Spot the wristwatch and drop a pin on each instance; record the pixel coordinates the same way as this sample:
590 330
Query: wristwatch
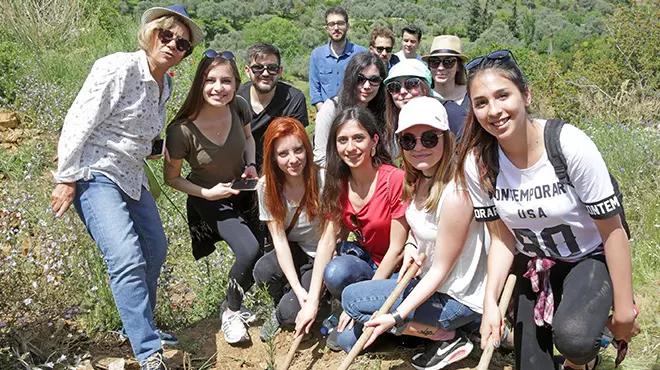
398 320
250 164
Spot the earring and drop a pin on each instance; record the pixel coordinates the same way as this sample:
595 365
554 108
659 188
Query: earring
373 152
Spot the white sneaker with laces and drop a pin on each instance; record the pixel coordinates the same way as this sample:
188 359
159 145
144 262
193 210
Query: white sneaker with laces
233 327
153 362
249 316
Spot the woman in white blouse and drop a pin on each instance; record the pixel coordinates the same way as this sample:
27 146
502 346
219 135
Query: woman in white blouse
106 135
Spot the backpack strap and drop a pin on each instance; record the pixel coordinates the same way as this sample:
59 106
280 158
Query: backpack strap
553 149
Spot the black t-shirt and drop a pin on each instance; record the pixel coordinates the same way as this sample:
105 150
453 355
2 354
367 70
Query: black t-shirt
287 102
456 115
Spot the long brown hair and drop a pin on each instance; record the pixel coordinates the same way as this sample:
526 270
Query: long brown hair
195 98
275 178
337 172
442 176
475 138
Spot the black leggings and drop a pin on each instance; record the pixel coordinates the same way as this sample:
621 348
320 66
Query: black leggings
222 216
583 298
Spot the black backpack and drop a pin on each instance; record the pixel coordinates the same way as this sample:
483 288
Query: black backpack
556 157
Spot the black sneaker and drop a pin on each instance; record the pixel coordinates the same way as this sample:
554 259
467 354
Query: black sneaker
332 340
439 354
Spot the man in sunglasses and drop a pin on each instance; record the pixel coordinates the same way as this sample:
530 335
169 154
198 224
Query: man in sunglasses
381 44
328 62
267 97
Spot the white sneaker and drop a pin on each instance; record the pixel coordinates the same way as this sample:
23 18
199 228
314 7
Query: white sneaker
248 316
233 327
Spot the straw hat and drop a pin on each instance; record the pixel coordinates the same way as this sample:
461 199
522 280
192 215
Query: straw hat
446 46
178 10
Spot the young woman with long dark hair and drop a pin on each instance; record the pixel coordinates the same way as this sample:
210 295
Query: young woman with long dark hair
565 242
289 203
212 133
362 194
361 87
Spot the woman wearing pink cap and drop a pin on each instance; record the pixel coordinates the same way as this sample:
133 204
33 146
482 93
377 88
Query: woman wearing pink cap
450 293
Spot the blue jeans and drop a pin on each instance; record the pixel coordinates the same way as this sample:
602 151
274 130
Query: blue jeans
349 268
130 235
361 300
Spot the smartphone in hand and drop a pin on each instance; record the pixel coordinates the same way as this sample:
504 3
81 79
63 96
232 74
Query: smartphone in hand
245 184
158 147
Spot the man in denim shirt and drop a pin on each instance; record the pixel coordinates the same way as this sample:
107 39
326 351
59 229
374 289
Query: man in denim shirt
328 62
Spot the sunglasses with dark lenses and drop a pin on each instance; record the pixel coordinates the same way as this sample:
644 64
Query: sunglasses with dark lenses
394 87
166 36
448 63
429 140
211 54
272 69
374 80
381 48
356 227
496 55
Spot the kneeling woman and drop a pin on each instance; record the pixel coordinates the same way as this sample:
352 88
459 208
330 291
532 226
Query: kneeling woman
450 293
572 264
289 204
212 133
362 194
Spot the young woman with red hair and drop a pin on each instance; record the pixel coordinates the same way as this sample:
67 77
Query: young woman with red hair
289 204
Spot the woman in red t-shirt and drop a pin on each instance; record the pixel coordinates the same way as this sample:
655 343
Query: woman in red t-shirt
362 194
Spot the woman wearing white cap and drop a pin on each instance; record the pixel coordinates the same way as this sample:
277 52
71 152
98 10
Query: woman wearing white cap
106 136
446 62
450 293
409 79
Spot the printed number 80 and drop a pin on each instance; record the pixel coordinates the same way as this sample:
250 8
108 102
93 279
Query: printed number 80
530 241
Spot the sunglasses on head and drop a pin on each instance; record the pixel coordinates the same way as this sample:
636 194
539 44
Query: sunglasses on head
374 80
272 69
356 227
448 63
394 87
381 48
211 54
166 36
429 140
496 55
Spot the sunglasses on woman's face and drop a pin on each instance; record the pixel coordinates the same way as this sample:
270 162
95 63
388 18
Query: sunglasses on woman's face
429 140
448 63
394 87
166 36
272 69
374 80
211 54
496 55
356 228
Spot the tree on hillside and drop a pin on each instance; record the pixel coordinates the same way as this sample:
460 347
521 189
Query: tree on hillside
475 25
528 28
513 21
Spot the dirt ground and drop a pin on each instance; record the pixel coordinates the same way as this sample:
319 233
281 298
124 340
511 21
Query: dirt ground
205 341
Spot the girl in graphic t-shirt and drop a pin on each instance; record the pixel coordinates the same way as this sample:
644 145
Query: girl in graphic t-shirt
212 133
289 204
572 267
451 292
362 194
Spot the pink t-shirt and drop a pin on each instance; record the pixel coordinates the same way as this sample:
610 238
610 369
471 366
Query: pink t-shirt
375 218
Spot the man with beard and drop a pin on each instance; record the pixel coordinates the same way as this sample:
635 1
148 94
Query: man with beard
381 44
328 62
267 97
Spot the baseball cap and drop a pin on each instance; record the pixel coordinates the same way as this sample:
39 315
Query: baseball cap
423 110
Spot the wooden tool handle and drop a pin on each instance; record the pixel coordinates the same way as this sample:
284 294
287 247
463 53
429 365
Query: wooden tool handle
385 308
484 361
292 351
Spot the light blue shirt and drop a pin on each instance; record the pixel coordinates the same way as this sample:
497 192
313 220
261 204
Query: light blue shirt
326 70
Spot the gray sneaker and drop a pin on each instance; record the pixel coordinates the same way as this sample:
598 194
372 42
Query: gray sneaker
153 362
271 326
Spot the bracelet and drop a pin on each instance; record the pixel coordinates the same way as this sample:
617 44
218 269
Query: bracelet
413 244
250 165
398 320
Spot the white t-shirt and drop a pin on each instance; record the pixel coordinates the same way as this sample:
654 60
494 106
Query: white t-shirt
402 56
305 233
467 281
550 219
